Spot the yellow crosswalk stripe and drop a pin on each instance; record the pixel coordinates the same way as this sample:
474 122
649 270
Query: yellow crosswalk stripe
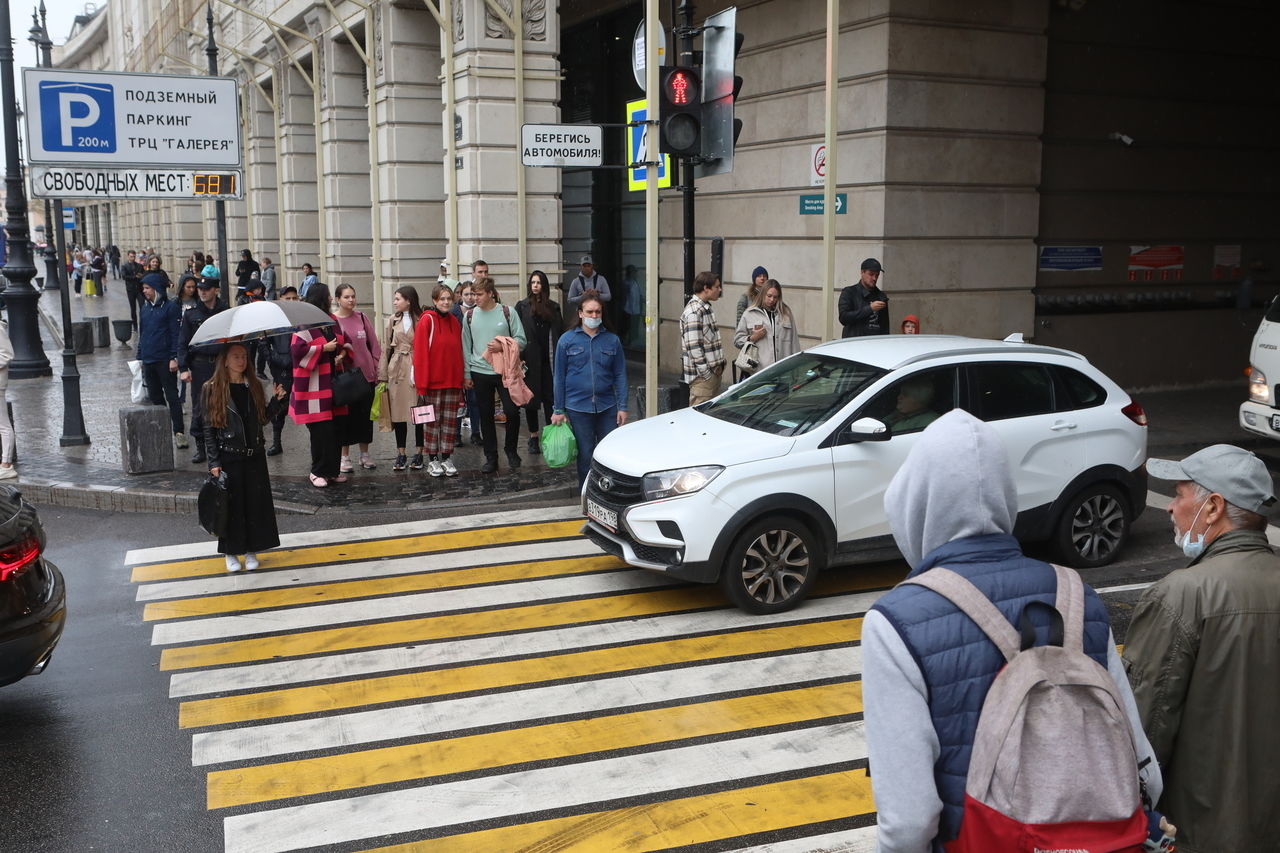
239 602
452 626
673 823
385 765
489 676
365 550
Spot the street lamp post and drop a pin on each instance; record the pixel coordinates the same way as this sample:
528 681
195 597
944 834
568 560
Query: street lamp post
52 277
20 297
219 206
73 431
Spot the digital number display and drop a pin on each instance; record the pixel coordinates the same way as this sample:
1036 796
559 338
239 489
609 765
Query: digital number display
215 184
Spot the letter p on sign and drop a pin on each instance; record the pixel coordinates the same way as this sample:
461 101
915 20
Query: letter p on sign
78 117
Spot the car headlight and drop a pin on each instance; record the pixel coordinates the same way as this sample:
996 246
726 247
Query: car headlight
679 481
1258 390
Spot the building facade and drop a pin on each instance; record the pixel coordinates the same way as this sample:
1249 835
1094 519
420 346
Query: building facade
1092 175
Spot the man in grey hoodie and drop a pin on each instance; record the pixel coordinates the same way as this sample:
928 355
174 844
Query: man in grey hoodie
926 666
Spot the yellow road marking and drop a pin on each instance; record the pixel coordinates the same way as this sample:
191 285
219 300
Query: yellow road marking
451 626
673 823
239 602
367 550
387 765
489 676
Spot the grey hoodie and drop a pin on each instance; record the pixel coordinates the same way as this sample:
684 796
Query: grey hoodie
956 483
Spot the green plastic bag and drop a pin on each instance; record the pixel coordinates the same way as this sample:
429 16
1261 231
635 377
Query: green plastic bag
559 447
375 411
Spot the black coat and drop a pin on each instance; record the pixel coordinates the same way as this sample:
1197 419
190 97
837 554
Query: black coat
192 318
856 315
251 513
542 336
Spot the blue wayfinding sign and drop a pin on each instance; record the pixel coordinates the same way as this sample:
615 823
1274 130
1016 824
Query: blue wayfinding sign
1070 258
79 117
816 204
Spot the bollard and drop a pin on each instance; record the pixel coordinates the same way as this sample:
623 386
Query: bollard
146 439
101 331
82 337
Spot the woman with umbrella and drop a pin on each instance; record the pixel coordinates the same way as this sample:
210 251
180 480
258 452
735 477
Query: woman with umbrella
235 411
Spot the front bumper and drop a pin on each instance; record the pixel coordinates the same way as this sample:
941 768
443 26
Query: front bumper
1260 419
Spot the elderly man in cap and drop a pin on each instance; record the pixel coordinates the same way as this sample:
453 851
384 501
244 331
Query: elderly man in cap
588 279
1203 654
864 309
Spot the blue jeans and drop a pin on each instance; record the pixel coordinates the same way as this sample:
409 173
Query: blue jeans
588 429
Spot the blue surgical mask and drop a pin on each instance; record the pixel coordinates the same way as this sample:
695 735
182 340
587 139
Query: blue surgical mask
1192 549
592 322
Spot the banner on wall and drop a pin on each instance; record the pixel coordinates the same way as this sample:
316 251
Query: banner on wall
1070 258
1226 262
1156 263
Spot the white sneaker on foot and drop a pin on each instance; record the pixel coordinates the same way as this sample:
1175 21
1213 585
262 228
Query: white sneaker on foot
346 467
233 563
450 470
8 473
250 562
434 468
181 439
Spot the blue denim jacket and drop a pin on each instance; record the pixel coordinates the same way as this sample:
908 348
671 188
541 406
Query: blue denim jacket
590 372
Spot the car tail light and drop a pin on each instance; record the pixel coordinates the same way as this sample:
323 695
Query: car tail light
1135 413
17 557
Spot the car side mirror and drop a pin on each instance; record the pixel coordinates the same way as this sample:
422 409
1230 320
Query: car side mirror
867 429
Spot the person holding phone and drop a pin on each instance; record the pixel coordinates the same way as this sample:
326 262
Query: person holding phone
770 325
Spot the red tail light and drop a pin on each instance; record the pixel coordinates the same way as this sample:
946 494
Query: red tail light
1135 413
15 558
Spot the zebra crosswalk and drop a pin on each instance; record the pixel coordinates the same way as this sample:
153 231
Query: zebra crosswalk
498 684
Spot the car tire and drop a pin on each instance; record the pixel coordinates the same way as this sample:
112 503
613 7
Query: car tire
772 565
1092 527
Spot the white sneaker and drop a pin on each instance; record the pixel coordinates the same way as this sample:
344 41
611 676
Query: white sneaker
233 563
450 470
250 562
434 468
181 439
9 473
346 467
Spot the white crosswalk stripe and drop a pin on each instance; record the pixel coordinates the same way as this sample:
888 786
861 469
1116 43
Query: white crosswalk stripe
439 696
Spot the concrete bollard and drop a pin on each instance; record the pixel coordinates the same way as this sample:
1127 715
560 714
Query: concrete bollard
82 337
101 331
146 439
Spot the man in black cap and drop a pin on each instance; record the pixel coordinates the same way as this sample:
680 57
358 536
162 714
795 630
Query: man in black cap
196 363
864 309
1203 656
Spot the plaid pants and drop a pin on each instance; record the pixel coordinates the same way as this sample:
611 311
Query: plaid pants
438 436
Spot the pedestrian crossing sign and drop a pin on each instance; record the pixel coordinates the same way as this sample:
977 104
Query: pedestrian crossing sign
637 179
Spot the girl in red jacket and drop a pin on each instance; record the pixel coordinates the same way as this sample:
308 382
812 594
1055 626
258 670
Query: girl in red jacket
437 375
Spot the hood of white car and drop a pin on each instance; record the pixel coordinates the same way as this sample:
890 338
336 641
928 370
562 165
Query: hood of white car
685 438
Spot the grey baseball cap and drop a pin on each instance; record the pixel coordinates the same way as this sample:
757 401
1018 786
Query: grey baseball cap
1236 474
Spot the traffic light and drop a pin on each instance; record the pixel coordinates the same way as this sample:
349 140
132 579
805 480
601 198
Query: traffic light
680 113
721 42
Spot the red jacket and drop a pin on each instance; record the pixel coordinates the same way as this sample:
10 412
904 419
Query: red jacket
437 352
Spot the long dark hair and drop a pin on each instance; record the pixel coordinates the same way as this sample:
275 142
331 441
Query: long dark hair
540 303
409 294
591 295
217 391
318 295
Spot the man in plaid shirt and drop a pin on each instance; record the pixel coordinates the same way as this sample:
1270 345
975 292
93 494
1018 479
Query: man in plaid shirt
701 353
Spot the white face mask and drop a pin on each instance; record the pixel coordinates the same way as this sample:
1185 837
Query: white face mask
1192 549
592 322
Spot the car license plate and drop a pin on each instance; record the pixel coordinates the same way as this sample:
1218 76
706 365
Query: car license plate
602 514
1275 422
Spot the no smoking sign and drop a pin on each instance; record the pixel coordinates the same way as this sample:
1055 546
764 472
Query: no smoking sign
817 165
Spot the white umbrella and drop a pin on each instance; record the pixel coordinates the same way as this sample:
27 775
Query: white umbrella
260 320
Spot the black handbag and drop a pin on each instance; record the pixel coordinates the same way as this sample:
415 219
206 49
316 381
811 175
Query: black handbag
212 505
350 388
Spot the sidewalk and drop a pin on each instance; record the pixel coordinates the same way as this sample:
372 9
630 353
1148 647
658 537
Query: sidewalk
92 476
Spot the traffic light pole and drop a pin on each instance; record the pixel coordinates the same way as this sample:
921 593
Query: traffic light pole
687 188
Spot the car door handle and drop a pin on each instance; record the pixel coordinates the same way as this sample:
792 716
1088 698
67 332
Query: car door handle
1058 426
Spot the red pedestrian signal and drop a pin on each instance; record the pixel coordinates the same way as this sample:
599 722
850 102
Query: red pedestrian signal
680 113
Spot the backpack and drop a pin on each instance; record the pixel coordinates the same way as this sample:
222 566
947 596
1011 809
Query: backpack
1054 767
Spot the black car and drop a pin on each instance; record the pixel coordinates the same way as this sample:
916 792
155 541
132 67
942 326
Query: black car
33 597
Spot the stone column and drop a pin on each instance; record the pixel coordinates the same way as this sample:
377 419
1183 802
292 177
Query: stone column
260 178
411 188
489 149
297 162
344 149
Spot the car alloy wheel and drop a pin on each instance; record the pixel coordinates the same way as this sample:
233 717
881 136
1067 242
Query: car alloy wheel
1093 527
771 566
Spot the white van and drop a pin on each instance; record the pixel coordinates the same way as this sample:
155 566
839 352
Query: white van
1260 414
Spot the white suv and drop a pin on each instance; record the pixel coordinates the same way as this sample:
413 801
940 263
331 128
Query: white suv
785 473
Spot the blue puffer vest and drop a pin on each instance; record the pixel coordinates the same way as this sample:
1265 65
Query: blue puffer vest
957 660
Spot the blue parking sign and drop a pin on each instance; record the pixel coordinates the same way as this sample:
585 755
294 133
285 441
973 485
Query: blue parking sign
78 117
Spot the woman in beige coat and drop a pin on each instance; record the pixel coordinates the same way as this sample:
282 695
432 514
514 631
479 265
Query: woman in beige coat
396 369
769 325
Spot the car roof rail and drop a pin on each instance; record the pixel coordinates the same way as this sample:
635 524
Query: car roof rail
989 350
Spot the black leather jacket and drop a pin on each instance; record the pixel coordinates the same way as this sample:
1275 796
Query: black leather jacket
229 441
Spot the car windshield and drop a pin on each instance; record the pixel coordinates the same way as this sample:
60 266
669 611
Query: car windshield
793 396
